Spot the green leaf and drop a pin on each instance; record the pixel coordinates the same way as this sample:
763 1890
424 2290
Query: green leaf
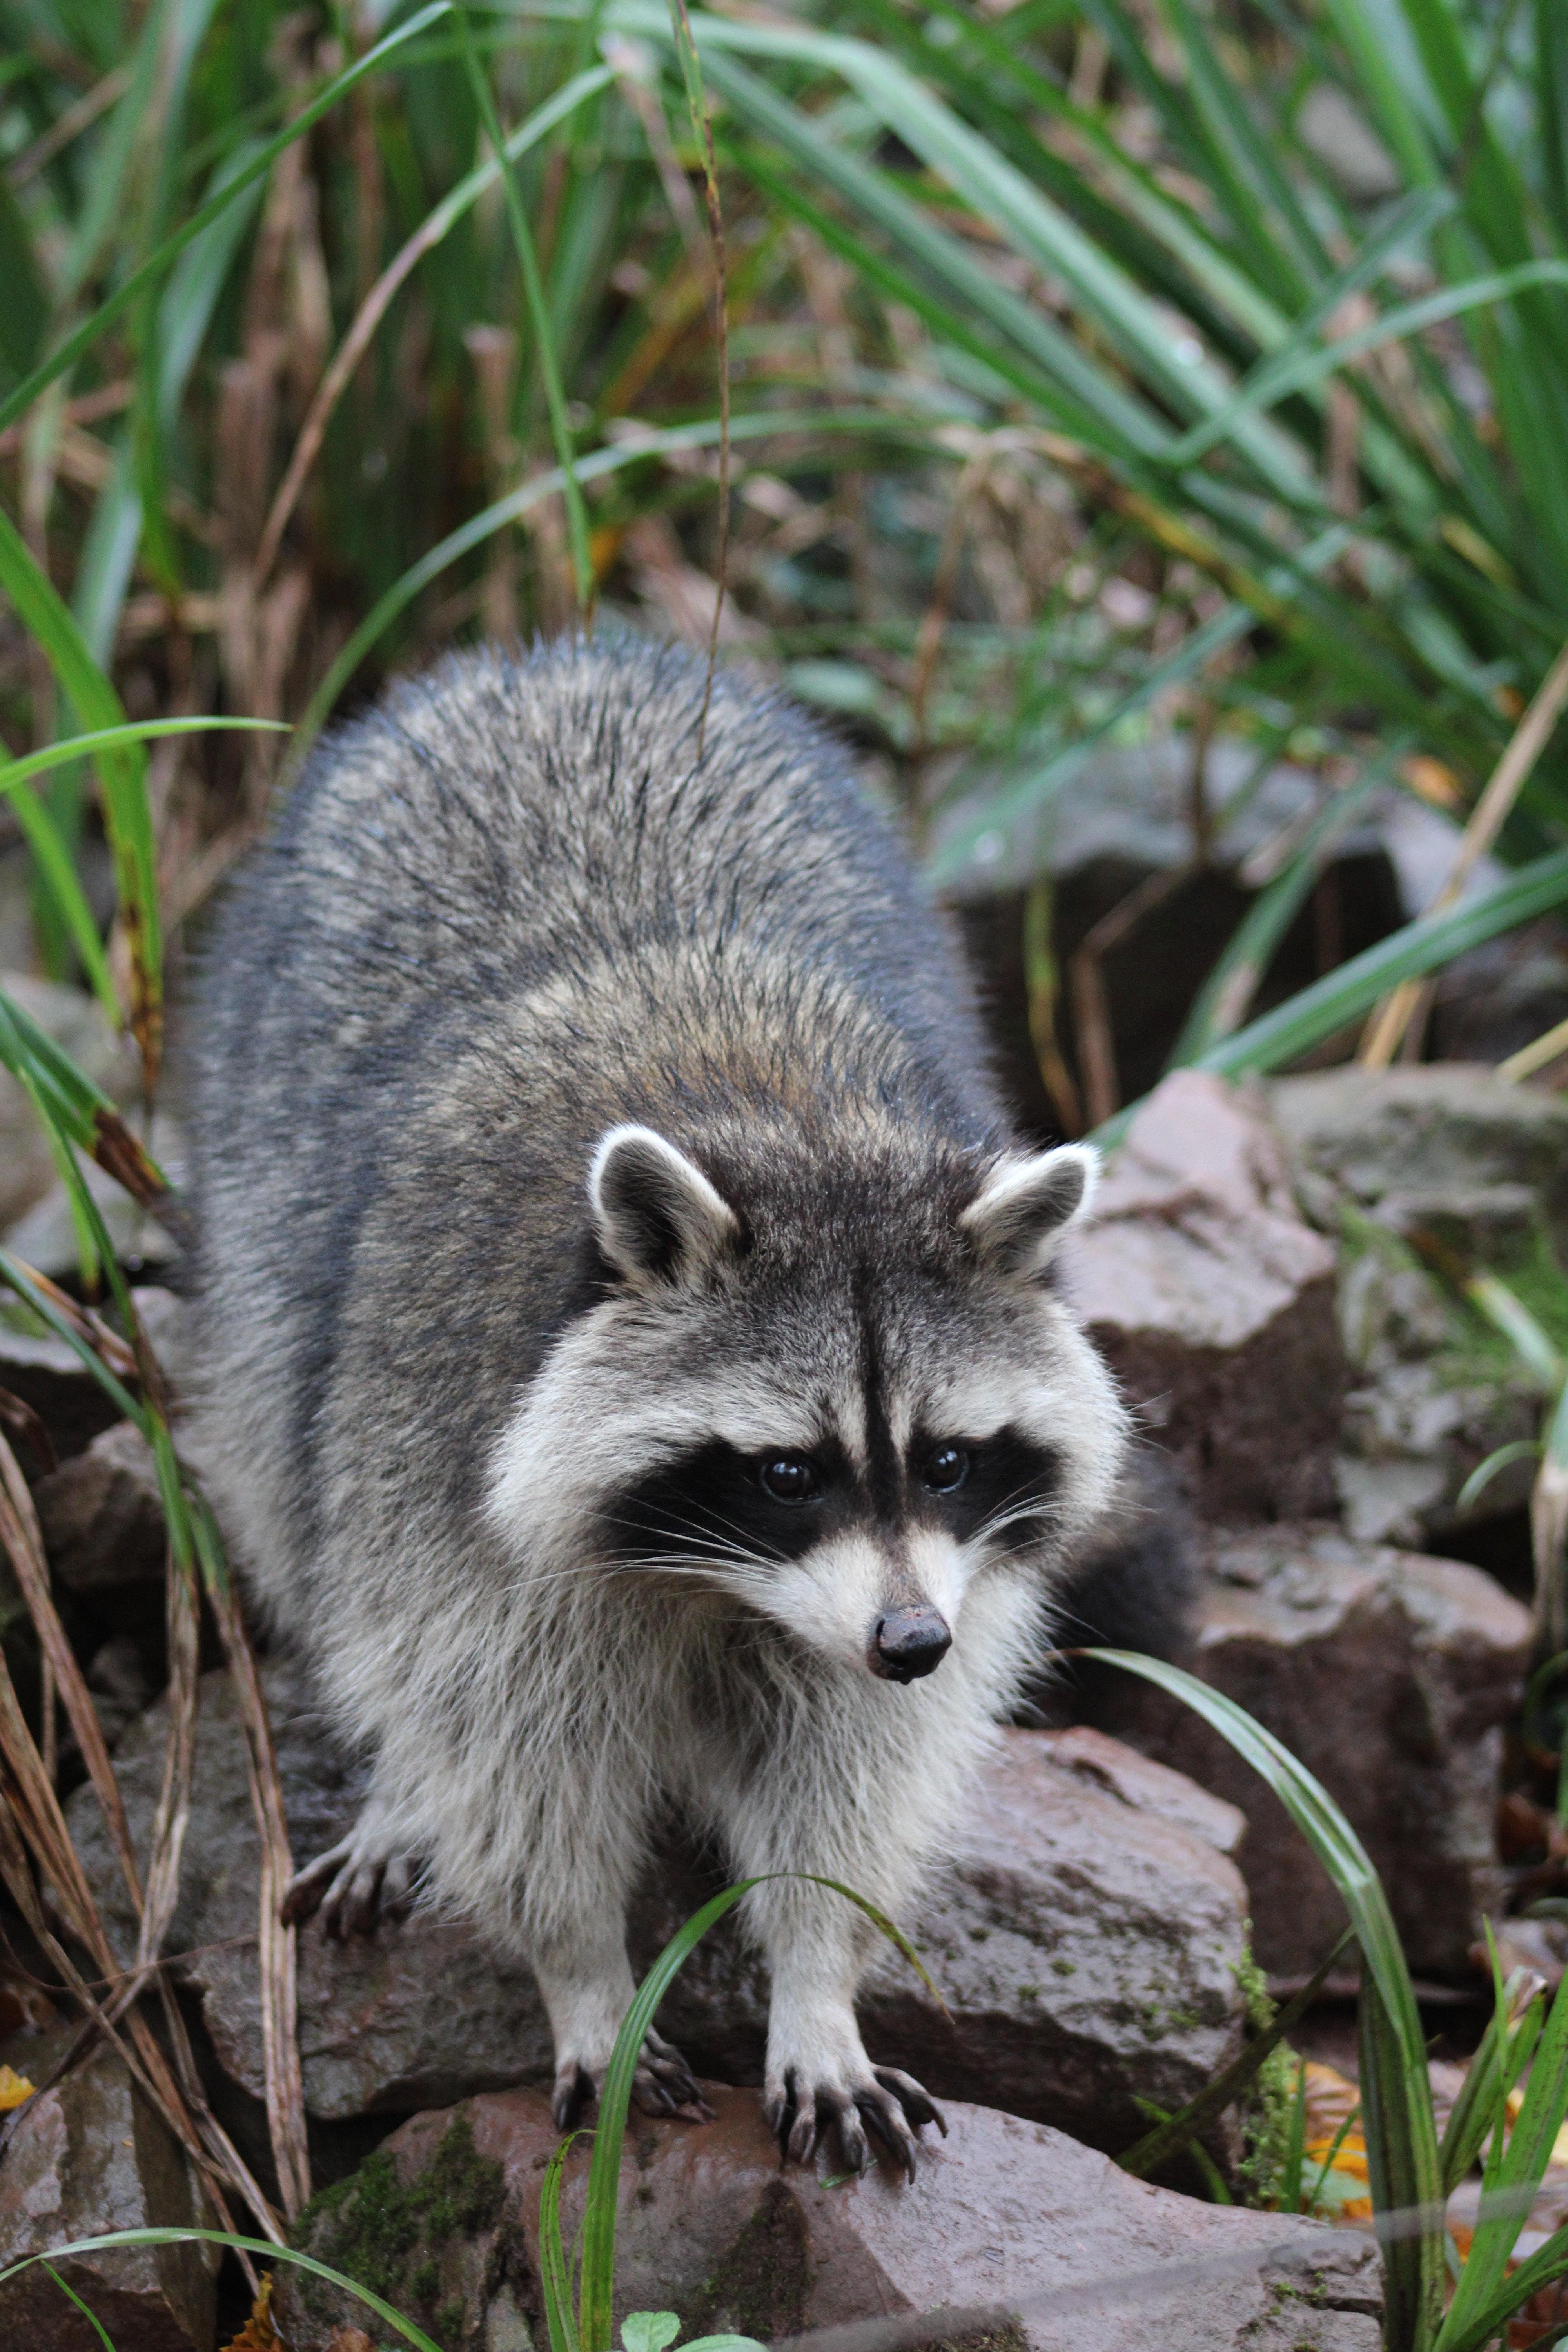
649 2331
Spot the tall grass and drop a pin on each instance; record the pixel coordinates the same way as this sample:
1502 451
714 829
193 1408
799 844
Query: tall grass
309 321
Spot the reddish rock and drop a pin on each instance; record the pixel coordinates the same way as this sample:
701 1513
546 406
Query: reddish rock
1213 1301
1390 1675
1086 1939
1010 2233
85 2158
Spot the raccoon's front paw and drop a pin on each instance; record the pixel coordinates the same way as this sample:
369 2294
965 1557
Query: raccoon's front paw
810 2102
354 1884
664 2084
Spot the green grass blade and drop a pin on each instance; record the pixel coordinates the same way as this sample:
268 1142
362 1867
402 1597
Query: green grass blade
595 2326
266 2247
122 773
92 2317
594 2322
1157 2148
140 281
538 316
1226 994
555 2276
1516 2166
109 738
1423 946
1396 2097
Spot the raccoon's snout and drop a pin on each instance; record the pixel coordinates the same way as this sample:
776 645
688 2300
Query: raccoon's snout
908 1644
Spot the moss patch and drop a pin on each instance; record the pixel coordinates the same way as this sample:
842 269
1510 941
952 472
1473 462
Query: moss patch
761 2285
387 2234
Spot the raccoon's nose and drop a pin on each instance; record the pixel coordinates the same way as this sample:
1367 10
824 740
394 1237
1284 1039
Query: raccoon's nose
909 1642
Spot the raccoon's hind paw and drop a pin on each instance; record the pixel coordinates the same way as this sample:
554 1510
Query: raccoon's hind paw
354 1885
887 2102
662 2084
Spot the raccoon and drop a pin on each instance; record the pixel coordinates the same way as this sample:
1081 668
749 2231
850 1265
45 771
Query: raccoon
631 1372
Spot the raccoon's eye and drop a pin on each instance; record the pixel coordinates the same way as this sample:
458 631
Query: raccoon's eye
948 1467
788 1478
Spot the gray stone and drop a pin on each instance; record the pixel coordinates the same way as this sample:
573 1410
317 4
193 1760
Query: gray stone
1010 2235
102 1516
1085 1938
1451 1131
85 2158
1388 1675
1214 1302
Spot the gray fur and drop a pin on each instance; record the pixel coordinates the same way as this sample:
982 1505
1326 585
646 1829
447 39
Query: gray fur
455 1332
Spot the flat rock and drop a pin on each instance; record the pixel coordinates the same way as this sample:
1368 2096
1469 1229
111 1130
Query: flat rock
1213 1301
90 2156
1086 1937
1010 2235
1390 1675
1453 1134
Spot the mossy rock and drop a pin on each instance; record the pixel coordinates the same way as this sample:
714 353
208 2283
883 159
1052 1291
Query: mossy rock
424 2242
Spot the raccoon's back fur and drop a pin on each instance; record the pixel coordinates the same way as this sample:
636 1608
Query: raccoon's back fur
629 1352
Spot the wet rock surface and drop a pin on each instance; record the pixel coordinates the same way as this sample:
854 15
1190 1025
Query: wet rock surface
1213 1301
1010 2235
1390 1675
1086 1939
89 2157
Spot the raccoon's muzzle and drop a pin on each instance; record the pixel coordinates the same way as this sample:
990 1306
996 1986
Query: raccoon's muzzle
909 1642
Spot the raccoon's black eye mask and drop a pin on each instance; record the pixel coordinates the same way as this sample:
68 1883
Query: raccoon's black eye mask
717 1502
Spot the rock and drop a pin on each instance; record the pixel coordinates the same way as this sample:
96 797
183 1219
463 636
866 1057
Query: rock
51 1377
1213 1302
1451 1131
1086 1941
1413 1168
1388 1675
1010 2235
74 1020
90 2156
102 1518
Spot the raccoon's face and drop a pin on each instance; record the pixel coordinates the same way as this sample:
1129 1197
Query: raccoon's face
841 1400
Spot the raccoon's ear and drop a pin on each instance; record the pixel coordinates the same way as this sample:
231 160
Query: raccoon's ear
656 1215
1027 1203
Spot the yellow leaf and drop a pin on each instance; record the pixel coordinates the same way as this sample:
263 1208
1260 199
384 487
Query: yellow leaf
14 2089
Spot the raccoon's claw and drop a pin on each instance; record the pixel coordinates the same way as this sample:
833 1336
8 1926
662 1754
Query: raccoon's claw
353 1885
890 2103
664 2084
574 2091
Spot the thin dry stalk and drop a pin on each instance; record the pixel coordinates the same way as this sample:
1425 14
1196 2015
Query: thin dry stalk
31 1818
1091 1010
23 1540
934 620
277 1939
1386 1028
1040 976
702 123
